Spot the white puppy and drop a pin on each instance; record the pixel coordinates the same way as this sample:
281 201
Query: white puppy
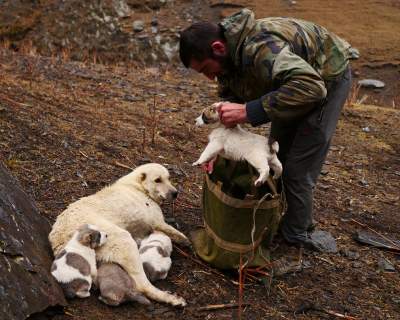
155 252
238 144
127 209
75 266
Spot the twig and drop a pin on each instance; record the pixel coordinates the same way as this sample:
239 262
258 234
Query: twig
19 104
84 154
212 307
143 139
336 314
122 165
376 232
153 120
314 307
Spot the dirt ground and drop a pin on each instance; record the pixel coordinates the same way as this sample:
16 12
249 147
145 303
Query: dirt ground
68 128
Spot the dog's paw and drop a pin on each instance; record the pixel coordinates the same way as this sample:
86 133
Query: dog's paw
195 164
179 302
258 183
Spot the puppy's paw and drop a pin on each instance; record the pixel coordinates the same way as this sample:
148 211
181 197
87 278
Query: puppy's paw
277 175
196 163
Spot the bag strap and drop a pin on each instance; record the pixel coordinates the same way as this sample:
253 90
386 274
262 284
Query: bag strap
215 188
232 246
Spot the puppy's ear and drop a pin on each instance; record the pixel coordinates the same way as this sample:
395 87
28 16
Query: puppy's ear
95 238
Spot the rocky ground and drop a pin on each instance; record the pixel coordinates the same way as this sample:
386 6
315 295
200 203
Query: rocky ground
68 128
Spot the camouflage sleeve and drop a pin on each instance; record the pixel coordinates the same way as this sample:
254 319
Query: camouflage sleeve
296 86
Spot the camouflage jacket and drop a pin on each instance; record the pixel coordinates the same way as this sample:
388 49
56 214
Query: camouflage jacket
279 66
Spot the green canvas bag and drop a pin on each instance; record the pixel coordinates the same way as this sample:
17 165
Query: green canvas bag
239 219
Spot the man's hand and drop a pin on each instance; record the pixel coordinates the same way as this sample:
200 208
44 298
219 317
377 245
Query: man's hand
232 114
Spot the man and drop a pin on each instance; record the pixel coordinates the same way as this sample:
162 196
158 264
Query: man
291 72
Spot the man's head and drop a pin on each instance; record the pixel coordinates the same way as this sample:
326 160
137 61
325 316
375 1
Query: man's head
203 48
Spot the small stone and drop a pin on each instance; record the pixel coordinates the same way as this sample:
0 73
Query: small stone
143 37
350 254
371 83
366 129
385 265
354 53
154 22
138 25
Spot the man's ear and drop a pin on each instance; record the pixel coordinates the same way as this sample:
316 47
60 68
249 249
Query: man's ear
219 48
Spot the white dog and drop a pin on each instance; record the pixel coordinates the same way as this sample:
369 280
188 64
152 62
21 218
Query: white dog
75 266
126 209
155 252
238 144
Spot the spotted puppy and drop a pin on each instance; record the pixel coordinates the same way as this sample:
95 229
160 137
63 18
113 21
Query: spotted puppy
116 286
238 144
155 252
75 266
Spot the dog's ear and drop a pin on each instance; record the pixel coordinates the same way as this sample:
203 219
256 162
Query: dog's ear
95 238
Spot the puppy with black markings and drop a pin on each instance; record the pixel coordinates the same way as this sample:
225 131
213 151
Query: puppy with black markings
75 266
116 286
238 144
155 252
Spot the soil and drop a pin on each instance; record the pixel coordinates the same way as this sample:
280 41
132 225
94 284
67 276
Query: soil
69 128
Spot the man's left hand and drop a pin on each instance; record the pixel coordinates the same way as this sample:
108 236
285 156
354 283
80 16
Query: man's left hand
232 114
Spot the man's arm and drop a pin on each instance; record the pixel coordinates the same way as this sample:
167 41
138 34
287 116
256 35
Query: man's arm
299 87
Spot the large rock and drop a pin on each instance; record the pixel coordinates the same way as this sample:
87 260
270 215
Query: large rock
26 286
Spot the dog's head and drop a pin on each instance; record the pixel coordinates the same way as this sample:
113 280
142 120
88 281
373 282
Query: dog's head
209 115
90 236
152 179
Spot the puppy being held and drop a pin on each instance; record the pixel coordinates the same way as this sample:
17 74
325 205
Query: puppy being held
75 266
128 209
238 144
116 286
155 252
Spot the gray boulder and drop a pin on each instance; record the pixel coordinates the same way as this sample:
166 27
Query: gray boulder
26 286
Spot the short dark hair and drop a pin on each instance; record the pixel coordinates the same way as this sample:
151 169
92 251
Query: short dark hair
196 40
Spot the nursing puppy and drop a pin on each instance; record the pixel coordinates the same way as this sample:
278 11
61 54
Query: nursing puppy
116 286
75 266
155 252
238 144
128 208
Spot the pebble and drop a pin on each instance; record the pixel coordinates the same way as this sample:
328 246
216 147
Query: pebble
371 83
138 25
385 265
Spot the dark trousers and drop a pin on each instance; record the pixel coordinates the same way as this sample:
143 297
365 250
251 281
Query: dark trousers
303 150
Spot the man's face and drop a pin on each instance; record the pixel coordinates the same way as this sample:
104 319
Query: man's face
210 67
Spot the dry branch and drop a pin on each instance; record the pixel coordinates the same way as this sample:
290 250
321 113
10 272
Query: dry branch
212 307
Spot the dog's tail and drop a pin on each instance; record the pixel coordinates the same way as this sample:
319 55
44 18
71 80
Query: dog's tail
153 293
